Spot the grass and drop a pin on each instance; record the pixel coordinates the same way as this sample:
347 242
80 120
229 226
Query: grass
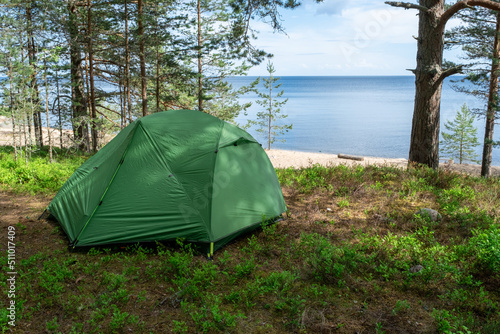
342 261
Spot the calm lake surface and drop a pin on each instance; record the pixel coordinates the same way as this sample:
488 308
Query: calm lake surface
369 116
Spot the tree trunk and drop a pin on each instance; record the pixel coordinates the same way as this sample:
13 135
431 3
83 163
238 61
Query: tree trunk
91 77
142 58
157 77
270 112
424 144
47 109
157 89
122 100
11 107
37 117
461 146
429 75
59 110
126 86
26 119
25 123
80 127
492 105
200 64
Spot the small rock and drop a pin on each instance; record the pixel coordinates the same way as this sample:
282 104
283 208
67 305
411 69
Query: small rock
328 209
416 269
432 214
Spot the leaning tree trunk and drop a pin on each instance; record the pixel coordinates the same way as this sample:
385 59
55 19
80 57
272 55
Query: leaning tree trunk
492 105
429 74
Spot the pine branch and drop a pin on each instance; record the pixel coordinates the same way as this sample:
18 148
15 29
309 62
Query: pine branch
108 109
451 71
109 119
448 14
407 5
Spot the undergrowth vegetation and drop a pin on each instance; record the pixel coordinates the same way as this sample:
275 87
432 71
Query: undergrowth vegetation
38 176
352 255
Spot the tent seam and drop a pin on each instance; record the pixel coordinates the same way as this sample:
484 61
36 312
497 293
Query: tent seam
64 190
170 169
109 185
221 128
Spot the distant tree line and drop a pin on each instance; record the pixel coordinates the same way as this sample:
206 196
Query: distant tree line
100 64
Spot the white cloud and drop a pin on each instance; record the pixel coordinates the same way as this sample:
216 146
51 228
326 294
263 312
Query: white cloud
332 7
360 39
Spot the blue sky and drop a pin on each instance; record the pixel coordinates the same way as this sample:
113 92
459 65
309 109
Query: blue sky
341 37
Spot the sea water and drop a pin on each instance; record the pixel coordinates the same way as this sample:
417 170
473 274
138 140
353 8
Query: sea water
368 116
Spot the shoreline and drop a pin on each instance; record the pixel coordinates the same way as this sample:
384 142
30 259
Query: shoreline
299 159
282 158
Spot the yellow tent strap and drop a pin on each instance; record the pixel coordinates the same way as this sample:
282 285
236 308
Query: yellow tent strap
211 254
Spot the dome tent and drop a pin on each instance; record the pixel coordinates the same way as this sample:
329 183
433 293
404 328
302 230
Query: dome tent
173 174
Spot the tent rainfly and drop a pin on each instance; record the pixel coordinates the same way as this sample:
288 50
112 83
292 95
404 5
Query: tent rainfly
173 174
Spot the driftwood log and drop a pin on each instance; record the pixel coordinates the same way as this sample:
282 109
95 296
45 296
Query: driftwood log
350 157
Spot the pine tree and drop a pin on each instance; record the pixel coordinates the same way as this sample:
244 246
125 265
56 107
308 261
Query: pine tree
270 101
219 51
462 137
430 73
225 102
478 38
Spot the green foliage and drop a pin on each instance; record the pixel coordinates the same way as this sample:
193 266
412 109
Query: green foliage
460 141
267 121
476 37
340 178
211 316
484 249
220 49
179 327
401 306
224 102
120 319
39 176
327 262
52 325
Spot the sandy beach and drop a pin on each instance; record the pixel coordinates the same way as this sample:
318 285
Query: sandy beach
296 159
283 158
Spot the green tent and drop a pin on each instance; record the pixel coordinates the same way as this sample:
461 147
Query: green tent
174 174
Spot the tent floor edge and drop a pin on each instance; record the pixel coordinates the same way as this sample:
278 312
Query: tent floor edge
203 247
